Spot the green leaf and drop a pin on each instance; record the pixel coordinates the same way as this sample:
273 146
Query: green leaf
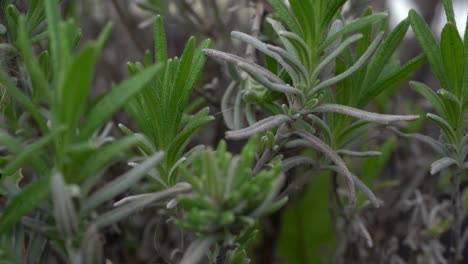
393 80
33 149
431 96
76 87
312 232
159 40
115 99
24 100
304 12
288 17
429 46
55 36
448 7
184 136
332 8
22 203
447 130
104 36
106 156
12 15
35 15
465 41
384 52
38 79
451 46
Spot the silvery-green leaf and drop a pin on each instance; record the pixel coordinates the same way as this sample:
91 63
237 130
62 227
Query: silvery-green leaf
282 88
264 48
335 158
286 43
298 143
261 126
236 59
293 62
36 248
250 114
434 144
376 202
295 161
91 248
361 154
351 69
361 114
335 27
122 183
441 164
238 113
323 127
64 211
226 108
355 25
198 249
300 46
335 53
260 210
132 204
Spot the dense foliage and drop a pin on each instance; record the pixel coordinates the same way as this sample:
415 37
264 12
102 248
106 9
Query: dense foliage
297 104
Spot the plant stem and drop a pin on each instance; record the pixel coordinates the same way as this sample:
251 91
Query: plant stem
457 217
268 154
128 26
255 31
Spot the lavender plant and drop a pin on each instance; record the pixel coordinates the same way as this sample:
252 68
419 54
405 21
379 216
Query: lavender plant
449 62
61 157
312 112
300 104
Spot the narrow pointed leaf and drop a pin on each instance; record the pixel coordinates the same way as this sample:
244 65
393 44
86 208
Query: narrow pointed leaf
451 46
335 158
384 52
64 211
393 80
115 99
236 60
121 184
261 126
286 14
160 48
430 95
448 7
21 204
363 115
351 69
24 100
353 26
429 46
448 131
441 164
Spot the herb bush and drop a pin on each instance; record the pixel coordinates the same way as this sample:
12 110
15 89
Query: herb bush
295 103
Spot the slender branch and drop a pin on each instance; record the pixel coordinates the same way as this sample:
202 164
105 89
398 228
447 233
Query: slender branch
457 217
255 31
267 155
128 27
